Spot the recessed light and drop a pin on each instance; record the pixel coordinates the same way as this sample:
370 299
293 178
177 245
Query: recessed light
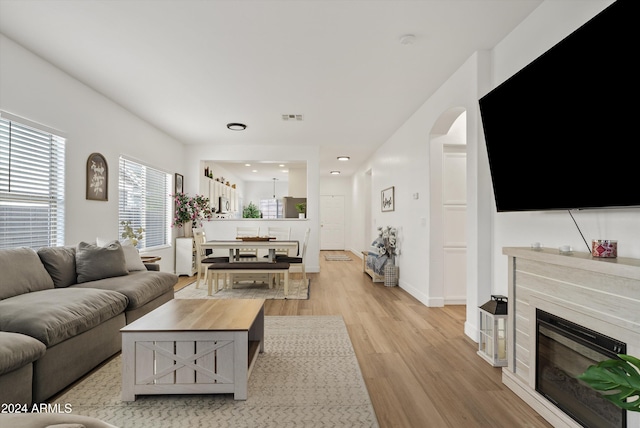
254 170
247 164
236 126
343 158
335 172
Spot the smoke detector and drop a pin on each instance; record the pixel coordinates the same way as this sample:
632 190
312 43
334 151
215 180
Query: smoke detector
407 39
294 117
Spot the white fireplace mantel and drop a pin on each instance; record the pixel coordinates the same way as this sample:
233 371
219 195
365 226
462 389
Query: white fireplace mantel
600 294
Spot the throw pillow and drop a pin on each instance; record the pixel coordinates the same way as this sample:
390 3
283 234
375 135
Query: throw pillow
132 258
60 262
93 262
21 271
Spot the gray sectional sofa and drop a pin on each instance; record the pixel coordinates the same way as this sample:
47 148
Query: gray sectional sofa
61 311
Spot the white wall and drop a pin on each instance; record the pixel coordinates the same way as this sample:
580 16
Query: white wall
403 162
36 90
546 26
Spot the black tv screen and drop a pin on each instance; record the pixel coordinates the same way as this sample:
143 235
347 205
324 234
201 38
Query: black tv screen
562 133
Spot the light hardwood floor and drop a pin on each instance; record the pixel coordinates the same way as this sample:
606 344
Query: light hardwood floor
420 368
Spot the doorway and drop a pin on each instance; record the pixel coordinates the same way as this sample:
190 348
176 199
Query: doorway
448 210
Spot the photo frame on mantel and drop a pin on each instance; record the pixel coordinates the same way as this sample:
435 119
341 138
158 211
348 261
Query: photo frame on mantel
97 178
388 200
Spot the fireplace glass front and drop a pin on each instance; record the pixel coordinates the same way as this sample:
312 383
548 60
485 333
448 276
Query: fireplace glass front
564 351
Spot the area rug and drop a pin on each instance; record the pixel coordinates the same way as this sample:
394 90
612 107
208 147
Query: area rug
308 376
298 290
337 258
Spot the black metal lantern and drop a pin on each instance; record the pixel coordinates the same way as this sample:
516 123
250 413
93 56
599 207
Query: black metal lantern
492 344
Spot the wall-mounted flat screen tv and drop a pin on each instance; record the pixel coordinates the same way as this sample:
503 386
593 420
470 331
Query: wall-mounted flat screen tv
563 132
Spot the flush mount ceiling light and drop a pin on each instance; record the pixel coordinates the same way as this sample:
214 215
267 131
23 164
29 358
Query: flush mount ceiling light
343 158
236 126
407 39
335 172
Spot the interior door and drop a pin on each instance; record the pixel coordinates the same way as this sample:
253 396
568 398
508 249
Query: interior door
454 205
332 222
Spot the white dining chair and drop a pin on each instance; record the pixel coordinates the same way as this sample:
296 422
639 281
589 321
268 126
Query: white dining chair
248 232
280 234
298 263
202 259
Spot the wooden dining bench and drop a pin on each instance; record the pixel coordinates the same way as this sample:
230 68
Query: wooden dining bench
247 267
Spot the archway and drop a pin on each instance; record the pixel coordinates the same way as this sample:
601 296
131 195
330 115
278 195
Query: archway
448 214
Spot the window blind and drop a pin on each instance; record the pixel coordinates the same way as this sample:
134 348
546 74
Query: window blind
31 187
145 202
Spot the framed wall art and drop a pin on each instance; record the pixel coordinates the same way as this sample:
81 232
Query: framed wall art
97 178
179 183
388 199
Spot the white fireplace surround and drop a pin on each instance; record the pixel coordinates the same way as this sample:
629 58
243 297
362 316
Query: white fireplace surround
600 294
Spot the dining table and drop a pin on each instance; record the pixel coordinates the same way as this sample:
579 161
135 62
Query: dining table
236 245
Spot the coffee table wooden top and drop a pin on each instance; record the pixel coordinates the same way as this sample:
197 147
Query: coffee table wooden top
200 315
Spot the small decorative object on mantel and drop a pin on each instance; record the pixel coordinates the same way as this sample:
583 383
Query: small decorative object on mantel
97 178
492 344
190 211
604 248
388 199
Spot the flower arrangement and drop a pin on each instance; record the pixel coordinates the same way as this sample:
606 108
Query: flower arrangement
132 235
389 238
194 209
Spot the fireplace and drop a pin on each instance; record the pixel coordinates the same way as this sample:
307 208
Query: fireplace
564 351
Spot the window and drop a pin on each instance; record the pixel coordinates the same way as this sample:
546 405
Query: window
271 208
145 202
31 186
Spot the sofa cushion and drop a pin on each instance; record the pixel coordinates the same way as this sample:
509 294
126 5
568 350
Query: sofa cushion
60 262
139 287
22 272
93 262
132 259
52 316
18 350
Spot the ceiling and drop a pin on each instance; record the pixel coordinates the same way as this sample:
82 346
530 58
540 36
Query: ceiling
189 67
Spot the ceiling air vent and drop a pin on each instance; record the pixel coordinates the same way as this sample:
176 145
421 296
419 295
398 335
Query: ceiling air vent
294 117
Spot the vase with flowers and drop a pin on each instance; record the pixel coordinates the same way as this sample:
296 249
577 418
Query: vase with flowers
387 244
190 211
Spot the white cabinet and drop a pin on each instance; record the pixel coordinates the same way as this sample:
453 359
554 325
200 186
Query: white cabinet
185 257
214 190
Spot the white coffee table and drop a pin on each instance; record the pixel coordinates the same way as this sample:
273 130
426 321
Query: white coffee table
193 346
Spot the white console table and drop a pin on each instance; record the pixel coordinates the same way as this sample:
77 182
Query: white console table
185 257
600 294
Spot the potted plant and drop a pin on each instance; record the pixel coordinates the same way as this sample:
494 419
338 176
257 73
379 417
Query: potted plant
134 236
190 210
617 380
302 209
251 211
